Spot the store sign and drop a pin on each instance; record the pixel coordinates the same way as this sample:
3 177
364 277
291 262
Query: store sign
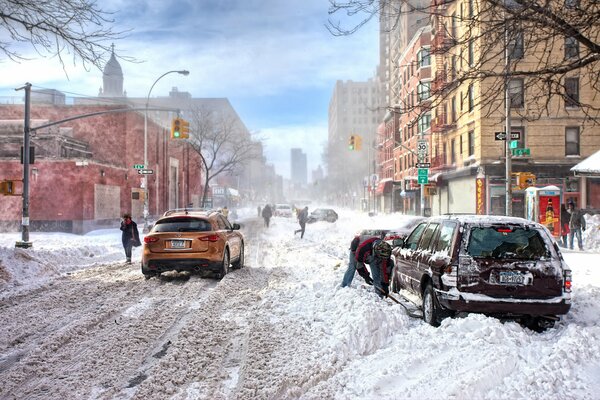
480 196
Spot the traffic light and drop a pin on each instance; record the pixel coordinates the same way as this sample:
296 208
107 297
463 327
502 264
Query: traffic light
352 143
7 188
185 129
176 128
357 142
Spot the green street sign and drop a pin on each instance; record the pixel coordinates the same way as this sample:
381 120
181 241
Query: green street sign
423 180
514 144
138 166
423 172
521 152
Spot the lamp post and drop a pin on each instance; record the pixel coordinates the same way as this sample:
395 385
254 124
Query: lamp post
146 205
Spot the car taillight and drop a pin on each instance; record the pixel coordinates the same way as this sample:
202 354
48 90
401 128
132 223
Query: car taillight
210 238
150 239
567 281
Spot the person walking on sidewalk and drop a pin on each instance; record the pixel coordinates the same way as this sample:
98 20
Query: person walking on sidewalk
302 218
130 235
576 225
267 214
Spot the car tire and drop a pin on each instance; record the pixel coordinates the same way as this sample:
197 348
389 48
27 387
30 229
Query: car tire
225 265
240 261
431 308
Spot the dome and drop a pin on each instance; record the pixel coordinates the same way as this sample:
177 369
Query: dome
112 77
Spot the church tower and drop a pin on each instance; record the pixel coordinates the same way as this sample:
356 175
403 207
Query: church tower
112 78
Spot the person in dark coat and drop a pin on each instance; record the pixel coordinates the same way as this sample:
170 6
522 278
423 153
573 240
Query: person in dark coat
130 235
302 218
353 265
377 253
576 225
267 213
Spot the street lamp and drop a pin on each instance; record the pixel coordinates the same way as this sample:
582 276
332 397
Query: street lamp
146 200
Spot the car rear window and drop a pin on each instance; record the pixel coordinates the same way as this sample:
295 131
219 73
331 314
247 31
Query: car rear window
506 242
184 224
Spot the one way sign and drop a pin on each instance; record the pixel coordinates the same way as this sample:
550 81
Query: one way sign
502 135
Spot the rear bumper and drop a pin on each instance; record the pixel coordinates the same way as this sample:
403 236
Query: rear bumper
192 265
465 302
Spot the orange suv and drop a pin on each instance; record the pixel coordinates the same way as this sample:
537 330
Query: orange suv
192 240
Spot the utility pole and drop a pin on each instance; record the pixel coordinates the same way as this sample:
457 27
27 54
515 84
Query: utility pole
507 103
25 243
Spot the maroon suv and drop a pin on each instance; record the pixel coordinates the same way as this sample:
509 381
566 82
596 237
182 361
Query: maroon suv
500 266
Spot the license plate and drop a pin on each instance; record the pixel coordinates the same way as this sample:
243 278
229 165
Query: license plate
510 277
178 244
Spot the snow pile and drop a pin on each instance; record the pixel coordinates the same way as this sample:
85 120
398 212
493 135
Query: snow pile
591 235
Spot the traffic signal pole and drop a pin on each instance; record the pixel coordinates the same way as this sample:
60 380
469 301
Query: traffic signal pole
25 243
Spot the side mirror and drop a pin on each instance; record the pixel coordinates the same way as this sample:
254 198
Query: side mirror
398 242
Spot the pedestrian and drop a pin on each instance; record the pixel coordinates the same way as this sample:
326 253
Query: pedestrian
576 225
267 214
353 264
258 211
565 216
302 218
225 211
377 253
129 236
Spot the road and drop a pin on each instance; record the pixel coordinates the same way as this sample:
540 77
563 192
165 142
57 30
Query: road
109 333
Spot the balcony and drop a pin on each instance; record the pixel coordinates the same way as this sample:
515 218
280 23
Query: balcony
441 125
441 42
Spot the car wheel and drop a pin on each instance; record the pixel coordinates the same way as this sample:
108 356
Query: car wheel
240 262
225 266
431 310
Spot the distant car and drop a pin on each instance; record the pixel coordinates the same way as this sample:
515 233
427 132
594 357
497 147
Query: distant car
499 266
322 214
283 210
402 231
188 240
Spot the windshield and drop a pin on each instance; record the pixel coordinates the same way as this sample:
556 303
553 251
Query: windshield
506 242
182 225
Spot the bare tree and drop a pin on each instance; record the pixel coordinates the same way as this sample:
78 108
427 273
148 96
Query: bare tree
224 145
540 45
77 28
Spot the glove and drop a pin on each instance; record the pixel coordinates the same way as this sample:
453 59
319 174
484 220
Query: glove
385 288
365 275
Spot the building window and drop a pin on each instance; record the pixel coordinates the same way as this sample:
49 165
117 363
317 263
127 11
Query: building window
571 92
515 90
452 151
516 47
453 110
572 141
453 66
424 122
471 142
571 47
444 153
471 52
471 98
460 144
424 57
424 91
471 8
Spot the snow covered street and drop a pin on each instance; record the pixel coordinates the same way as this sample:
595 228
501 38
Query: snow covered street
78 323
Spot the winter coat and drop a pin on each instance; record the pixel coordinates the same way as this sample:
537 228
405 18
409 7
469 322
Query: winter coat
577 220
364 253
303 216
129 233
266 212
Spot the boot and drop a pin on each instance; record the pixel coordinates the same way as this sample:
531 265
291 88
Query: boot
128 260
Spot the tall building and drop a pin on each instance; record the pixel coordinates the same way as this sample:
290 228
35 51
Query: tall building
437 96
299 171
355 109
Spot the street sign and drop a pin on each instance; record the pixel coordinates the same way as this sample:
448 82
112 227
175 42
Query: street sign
145 171
423 165
502 135
521 152
422 172
138 166
422 180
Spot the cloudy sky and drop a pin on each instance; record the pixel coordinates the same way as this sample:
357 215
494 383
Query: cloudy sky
273 59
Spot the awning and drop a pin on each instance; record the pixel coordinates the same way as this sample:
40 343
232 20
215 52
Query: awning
384 186
588 167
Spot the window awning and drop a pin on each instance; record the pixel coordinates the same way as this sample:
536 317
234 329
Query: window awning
384 186
588 167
